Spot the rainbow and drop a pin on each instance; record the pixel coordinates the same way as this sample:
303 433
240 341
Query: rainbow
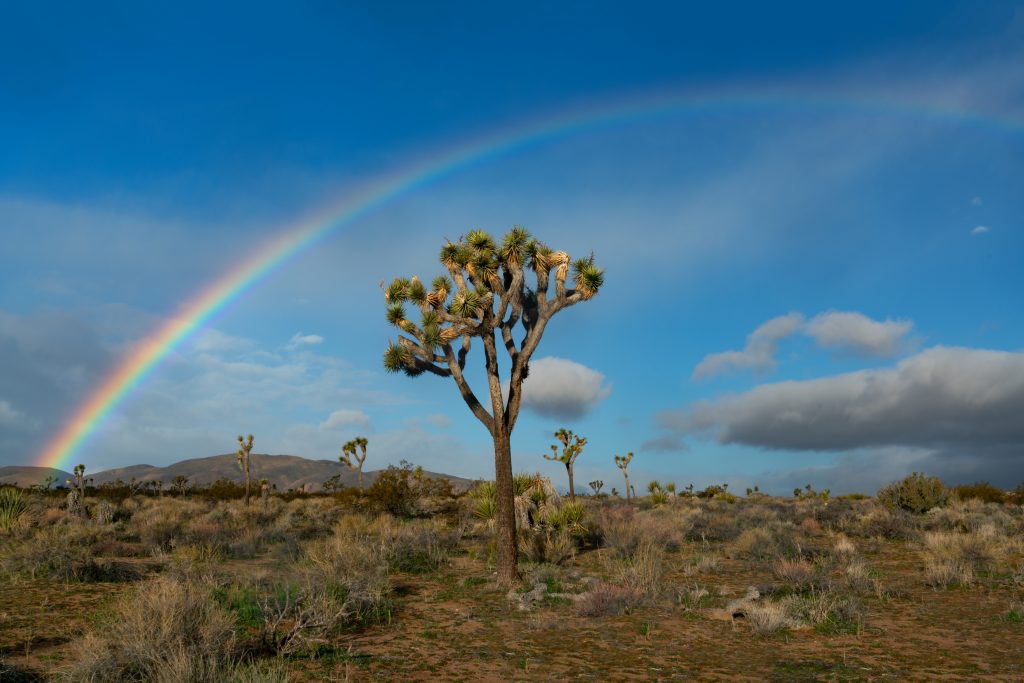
293 240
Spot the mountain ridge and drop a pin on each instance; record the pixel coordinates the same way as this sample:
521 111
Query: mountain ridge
283 470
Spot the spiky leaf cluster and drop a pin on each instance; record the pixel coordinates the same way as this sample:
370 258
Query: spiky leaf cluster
484 292
622 461
572 446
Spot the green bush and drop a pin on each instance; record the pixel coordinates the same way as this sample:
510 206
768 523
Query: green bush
407 492
916 493
981 490
12 507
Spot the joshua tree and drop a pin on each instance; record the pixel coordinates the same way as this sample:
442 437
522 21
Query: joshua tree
244 448
348 453
597 484
76 497
49 481
572 446
179 484
622 462
264 493
487 296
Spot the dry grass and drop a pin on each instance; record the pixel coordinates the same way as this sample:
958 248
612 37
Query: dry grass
286 587
954 558
757 543
166 630
767 618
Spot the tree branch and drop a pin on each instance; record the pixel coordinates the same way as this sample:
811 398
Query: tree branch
455 369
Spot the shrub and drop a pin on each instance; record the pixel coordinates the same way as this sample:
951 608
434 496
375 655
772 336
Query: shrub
643 571
766 618
754 544
981 490
1016 496
546 545
953 558
406 491
416 546
828 611
61 552
606 599
916 493
167 630
619 531
799 573
712 525
843 548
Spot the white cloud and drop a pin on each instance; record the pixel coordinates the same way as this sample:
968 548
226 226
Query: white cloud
943 398
346 418
439 420
980 230
858 333
758 354
562 389
845 330
298 339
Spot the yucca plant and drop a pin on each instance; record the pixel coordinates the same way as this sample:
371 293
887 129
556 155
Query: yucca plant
12 507
352 458
484 295
572 446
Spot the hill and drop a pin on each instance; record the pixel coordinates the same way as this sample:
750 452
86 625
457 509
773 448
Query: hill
31 476
286 471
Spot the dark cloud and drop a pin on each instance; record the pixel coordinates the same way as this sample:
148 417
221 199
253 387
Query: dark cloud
669 443
963 407
46 361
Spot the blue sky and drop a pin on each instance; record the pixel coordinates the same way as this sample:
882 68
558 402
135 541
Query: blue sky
822 286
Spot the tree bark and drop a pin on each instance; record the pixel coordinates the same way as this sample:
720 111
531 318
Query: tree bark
247 480
508 572
572 491
628 487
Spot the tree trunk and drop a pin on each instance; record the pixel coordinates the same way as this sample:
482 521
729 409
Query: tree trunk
360 472
508 571
572 491
247 481
628 487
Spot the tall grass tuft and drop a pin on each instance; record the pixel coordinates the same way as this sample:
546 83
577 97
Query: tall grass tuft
12 507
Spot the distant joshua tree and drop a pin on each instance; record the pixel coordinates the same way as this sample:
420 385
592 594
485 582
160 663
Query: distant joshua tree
348 453
244 449
572 446
597 485
622 462
488 299
76 497
180 484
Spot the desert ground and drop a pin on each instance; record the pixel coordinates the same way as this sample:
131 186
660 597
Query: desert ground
396 582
